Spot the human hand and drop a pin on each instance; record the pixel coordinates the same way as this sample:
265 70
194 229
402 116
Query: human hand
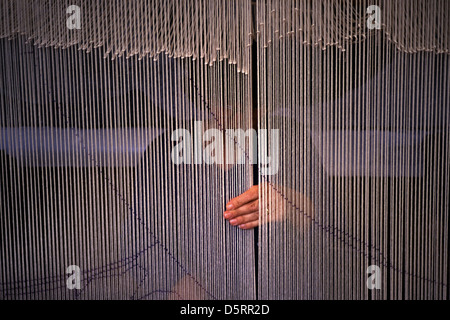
244 210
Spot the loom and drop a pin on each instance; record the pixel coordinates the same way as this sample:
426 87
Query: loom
91 92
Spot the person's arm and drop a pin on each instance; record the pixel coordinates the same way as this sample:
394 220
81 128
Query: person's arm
295 200
279 204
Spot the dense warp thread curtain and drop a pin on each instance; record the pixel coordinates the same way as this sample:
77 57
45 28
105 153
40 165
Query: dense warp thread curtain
86 149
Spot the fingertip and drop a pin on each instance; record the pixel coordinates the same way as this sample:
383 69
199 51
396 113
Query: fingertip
230 206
